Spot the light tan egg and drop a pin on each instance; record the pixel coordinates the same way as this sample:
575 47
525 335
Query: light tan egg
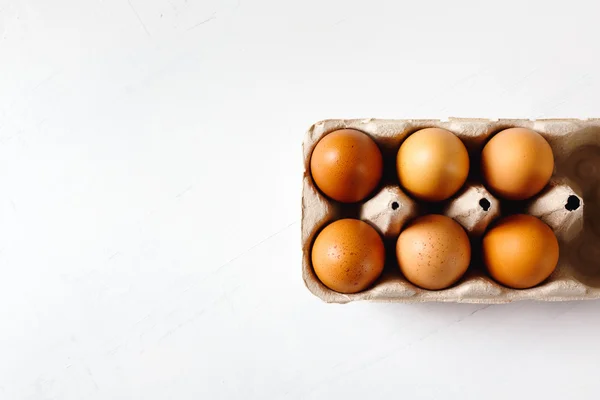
432 164
433 252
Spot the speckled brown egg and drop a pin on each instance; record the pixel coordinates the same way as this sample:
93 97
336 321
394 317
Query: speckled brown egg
520 251
433 252
432 164
346 165
348 255
517 163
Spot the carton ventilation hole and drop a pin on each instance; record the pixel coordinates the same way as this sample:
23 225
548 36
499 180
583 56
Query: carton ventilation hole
485 204
395 205
573 203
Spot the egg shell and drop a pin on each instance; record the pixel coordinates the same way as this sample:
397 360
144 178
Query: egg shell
432 164
433 252
517 163
520 251
348 255
346 165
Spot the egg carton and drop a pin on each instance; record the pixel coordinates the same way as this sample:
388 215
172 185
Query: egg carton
576 180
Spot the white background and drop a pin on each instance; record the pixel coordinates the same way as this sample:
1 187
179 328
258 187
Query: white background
150 185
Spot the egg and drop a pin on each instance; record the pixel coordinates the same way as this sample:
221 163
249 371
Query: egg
348 255
433 252
432 164
520 251
346 165
517 163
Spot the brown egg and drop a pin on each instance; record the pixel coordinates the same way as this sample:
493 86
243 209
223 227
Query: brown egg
517 163
346 165
520 251
432 164
433 252
348 255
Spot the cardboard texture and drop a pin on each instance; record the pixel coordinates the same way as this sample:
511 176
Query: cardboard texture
576 180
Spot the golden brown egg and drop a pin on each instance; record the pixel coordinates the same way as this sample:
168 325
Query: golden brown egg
517 163
348 255
520 251
433 252
346 165
432 164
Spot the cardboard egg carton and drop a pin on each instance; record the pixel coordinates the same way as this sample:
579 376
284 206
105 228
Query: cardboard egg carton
576 180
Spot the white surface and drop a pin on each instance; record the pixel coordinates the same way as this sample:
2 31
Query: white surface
150 178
